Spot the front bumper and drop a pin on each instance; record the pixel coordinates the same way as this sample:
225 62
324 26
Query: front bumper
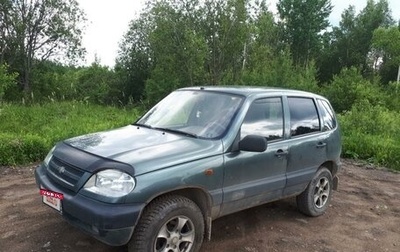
112 224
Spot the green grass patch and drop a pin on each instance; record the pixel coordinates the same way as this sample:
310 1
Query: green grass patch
28 132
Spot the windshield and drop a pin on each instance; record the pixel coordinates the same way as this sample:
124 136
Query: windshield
196 113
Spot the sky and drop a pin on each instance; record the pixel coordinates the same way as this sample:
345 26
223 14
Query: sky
109 20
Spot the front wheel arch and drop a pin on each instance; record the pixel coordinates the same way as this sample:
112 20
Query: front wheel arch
170 220
199 196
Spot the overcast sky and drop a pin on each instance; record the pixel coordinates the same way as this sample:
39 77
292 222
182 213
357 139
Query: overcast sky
108 21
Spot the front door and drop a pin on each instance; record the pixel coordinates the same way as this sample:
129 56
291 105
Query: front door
252 178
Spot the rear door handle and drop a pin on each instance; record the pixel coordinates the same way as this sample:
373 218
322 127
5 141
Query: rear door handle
280 153
321 144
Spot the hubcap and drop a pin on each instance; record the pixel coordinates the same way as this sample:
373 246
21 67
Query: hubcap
321 193
176 235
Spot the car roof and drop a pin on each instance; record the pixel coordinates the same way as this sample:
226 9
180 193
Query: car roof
251 90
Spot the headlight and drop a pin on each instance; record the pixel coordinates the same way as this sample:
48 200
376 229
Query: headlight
110 183
49 156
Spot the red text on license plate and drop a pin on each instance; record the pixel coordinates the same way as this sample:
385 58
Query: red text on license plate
48 193
52 199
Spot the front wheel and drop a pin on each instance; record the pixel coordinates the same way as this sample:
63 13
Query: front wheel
169 224
315 199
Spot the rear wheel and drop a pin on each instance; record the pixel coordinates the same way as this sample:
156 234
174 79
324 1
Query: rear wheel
169 224
315 199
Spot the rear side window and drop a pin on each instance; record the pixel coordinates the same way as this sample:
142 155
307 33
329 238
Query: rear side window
303 116
328 117
264 118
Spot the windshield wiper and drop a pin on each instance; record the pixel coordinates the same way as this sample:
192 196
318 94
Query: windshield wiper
177 132
143 125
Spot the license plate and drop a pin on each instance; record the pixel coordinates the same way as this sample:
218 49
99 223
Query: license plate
52 199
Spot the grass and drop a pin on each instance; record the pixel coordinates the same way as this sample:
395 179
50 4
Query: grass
28 132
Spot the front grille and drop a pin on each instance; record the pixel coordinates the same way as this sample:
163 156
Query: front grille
65 174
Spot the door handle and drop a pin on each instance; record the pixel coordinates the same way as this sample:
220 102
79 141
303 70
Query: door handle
280 153
321 145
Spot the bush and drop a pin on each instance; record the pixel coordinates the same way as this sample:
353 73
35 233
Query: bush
392 92
372 133
6 80
22 149
349 87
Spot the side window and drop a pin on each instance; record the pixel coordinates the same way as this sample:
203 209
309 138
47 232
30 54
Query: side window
303 116
328 117
264 118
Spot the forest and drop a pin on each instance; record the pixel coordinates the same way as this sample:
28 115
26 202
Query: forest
46 95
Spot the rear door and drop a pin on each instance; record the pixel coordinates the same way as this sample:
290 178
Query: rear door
252 178
307 143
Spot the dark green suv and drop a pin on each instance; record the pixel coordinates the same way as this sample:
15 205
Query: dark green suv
199 154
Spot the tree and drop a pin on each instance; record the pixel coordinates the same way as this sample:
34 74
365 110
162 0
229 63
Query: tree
386 42
164 49
36 30
263 56
134 62
177 43
337 47
178 48
374 15
303 21
227 33
349 45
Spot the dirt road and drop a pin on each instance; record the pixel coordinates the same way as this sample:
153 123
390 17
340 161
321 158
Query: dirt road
364 216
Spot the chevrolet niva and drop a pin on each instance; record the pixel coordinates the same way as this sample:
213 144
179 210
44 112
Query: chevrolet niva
199 154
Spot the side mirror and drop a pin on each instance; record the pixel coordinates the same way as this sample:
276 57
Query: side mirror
253 143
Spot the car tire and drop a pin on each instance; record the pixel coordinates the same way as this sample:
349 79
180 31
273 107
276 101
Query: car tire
169 223
316 198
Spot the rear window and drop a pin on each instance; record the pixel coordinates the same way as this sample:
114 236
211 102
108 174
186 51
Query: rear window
303 116
328 117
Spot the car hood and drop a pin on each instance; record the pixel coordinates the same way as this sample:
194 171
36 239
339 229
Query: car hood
146 149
